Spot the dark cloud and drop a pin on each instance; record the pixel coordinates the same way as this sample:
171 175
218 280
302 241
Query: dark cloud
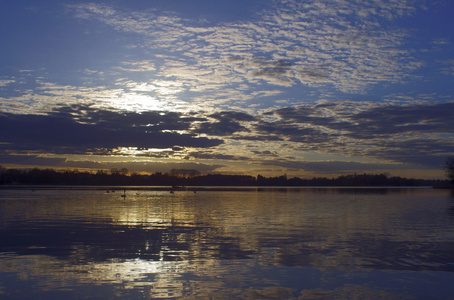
311 115
235 58
31 160
222 128
265 153
233 115
274 68
292 132
228 123
319 74
419 134
210 155
152 167
257 137
84 129
151 120
329 166
64 163
377 120
423 153
393 119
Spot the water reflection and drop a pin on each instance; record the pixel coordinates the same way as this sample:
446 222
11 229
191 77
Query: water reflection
251 244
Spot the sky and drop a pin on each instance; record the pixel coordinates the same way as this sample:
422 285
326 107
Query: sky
306 88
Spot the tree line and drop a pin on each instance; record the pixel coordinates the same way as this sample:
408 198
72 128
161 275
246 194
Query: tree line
183 177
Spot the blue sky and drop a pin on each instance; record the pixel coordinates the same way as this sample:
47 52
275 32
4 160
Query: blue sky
305 88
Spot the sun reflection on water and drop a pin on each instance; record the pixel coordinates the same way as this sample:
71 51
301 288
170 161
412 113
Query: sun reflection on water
242 244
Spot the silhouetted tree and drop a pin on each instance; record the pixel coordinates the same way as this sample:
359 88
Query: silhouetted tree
449 168
122 171
185 173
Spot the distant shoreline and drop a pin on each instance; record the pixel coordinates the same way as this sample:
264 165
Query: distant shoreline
14 178
110 188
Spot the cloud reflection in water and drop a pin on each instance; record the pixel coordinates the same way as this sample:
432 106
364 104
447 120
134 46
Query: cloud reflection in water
282 243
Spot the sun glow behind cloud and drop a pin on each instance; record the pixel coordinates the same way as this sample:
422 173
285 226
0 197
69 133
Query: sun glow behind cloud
137 103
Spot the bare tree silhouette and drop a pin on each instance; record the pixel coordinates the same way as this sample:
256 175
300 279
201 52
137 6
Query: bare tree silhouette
449 168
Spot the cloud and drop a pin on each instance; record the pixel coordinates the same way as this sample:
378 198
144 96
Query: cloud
391 135
286 44
330 166
418 134
138 66
393 119
338 44
366 121
367 135
292 132
65 163
275 72
45 97
222 128
265 153
5 82
228 123
30 160
448 67
232 115
85 129
215 156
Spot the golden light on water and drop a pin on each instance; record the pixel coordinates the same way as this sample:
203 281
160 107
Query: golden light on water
214 244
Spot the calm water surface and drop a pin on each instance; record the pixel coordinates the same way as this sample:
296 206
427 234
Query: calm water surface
240 244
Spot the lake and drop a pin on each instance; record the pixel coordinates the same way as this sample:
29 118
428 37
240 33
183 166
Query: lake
242 243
